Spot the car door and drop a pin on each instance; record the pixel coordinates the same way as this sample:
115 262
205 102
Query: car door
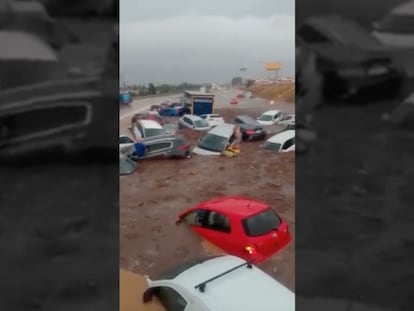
157 148
214 227
277 117
289 143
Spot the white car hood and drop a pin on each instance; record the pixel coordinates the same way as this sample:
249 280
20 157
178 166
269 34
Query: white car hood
200 151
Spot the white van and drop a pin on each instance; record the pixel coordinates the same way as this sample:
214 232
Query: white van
219 283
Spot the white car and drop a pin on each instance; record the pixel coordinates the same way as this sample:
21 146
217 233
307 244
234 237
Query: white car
215 141
193 122
148 128
269 117
219 283
287 119
281 142
213 119
397 27
125 143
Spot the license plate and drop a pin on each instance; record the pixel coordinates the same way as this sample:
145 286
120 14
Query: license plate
258 131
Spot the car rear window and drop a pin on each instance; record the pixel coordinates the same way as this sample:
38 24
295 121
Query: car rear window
261 223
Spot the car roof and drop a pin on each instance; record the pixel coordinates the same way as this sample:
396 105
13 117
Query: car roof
406 8
281 137
150 124
192 117
25 46
234 290
238 205
271 112
225 130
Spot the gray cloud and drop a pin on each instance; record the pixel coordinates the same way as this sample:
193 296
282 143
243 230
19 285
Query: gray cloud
139 10
188 46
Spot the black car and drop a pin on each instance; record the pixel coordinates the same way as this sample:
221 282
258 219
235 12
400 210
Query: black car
352 62
250 128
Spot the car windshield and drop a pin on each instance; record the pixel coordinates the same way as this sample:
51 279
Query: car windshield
271 146
265 117
213 142
261 223
397 23
154 132
200 123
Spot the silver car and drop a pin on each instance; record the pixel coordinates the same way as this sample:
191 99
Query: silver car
193 122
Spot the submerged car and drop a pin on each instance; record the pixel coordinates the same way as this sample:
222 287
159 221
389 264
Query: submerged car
396 29
250 128
240 226
125 143
269 117
170 146
193 122
214 283
281 142
147 128
213 119
234 101
215 141
126 165
287 119
353 63
168 112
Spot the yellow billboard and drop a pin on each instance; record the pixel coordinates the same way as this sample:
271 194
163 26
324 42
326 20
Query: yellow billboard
273 66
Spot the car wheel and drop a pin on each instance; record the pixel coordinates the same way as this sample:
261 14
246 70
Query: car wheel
180 126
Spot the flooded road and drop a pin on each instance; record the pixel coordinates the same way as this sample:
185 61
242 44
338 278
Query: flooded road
152 197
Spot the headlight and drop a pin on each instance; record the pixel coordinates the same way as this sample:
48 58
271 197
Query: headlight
377 70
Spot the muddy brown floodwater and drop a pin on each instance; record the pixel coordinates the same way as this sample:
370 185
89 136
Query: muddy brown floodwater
152 197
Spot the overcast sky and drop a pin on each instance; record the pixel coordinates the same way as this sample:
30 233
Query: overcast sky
204 41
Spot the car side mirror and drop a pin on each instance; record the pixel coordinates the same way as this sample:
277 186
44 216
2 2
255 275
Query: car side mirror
178 220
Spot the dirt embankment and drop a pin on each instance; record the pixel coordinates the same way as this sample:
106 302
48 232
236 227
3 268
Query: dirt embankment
277 92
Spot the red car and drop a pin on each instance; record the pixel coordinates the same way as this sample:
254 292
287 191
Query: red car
234 101
240 226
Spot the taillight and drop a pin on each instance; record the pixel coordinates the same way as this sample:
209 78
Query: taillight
250 250
184 147
250 132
